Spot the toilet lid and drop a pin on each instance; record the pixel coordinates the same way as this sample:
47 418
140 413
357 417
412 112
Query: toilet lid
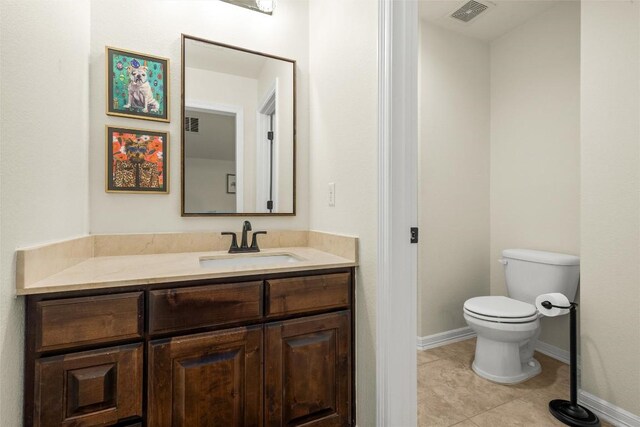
500 307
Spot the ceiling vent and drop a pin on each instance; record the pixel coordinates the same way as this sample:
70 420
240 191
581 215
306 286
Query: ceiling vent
469 11
192 124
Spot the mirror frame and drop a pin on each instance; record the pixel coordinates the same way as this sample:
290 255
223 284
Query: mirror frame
184 38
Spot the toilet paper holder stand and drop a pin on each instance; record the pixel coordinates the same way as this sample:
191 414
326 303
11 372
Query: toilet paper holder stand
570 412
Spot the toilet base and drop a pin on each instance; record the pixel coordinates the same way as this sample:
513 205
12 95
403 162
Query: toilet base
576 416
528 370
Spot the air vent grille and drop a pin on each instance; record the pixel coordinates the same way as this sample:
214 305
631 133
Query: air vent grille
192 124
469 11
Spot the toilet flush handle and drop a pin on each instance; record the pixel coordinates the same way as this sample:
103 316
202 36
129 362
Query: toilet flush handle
503 261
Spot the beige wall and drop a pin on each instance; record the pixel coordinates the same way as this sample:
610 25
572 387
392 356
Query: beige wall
343 149
206 185
610 234
44 105
499 161
453 177
284 34
535 144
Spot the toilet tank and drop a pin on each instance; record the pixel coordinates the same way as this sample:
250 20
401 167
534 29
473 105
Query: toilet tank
529 273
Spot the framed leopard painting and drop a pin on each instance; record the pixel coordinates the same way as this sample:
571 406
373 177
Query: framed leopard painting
137 160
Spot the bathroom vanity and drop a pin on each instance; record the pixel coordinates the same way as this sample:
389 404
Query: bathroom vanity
256 347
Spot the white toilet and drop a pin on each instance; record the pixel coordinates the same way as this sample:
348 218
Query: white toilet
508 327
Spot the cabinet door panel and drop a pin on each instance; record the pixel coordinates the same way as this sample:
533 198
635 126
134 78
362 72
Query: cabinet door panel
308 372
90 388
206 380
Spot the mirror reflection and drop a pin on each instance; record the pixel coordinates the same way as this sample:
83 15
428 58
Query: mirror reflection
238 131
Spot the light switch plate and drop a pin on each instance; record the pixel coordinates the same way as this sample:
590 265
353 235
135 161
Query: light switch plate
332 194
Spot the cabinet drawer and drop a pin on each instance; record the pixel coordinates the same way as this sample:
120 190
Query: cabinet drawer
72 322
306 294
89 388
179 309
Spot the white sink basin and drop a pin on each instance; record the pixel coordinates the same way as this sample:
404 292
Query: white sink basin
247 260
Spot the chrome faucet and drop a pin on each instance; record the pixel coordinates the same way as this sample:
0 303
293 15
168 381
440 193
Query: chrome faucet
244 247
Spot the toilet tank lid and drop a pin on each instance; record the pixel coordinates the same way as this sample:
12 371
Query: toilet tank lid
542 257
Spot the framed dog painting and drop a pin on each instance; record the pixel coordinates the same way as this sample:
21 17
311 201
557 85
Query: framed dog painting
137 161
137 85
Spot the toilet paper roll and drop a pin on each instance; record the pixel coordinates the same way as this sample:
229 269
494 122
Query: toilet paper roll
555 299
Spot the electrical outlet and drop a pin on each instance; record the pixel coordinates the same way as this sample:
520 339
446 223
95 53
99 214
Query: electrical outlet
332 194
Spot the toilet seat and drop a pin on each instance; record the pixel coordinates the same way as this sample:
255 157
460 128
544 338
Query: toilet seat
500 309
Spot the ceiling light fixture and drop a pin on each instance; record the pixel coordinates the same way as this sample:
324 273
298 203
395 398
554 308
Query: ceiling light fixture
262 6
266 6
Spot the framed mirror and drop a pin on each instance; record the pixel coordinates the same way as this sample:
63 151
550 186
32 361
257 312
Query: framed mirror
238 131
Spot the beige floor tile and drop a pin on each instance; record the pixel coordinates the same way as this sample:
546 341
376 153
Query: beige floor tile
449 391
462 351
426 356
541 399
518 413
466 423
456 384
554 378
465 347
433 411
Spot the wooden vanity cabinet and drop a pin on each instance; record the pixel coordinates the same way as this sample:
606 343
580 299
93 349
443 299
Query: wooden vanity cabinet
273 350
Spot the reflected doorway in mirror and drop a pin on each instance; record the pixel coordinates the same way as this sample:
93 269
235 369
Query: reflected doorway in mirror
213 150
242 104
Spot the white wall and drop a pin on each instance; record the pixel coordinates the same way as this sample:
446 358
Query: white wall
219 88
343 38
535 143
610 246
283 34
206 185
454 177
43 153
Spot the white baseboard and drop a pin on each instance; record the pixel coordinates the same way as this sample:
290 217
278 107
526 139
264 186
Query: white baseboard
444 338
608 411
553 351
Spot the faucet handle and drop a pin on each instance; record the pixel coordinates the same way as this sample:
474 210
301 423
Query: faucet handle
254 240
234 240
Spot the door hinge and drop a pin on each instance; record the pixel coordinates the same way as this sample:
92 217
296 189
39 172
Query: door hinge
270 135
270 204
414 234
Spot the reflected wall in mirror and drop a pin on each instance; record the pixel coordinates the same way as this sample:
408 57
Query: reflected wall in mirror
238 131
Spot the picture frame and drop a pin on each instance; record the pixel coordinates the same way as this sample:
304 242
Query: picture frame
231 183
137 85
137 160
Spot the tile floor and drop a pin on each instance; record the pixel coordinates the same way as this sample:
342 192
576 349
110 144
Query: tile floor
451 394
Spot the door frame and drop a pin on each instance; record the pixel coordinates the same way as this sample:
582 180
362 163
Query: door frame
270 101
396 364
231 110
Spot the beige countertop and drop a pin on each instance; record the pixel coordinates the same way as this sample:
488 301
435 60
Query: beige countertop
74 265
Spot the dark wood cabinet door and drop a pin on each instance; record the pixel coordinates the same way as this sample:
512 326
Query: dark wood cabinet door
90 388
308 371
213 379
